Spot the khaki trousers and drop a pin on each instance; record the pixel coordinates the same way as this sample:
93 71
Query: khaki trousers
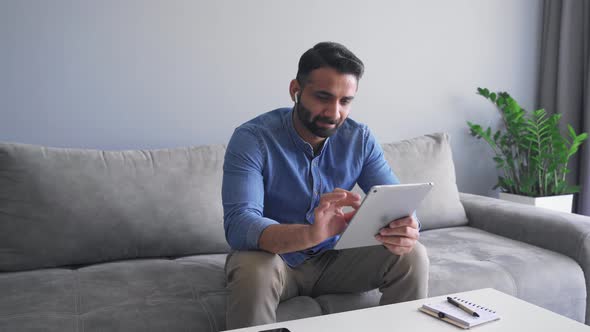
258 280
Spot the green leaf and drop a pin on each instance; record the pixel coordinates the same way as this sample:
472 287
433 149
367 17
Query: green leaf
571 130
493 97
484 92
505 184
560 188
497 135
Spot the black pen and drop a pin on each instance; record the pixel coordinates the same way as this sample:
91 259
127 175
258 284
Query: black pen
462 307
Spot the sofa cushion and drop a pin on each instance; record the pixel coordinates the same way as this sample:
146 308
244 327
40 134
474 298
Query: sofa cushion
50 292
136 295
40 322
161 316
467 258
141 281
185 294
429 159
63 206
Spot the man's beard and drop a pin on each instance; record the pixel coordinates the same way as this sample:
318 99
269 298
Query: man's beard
312 123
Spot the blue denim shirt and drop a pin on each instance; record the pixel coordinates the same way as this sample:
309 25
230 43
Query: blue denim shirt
271 176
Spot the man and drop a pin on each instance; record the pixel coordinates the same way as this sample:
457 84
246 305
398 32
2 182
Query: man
287 175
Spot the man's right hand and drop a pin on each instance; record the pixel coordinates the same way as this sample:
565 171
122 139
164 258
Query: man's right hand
330 220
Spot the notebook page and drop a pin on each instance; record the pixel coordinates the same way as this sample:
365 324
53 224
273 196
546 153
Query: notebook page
455 313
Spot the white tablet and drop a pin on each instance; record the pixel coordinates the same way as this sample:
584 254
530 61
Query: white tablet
382 205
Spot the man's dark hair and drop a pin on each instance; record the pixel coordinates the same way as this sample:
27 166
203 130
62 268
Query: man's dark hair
329 54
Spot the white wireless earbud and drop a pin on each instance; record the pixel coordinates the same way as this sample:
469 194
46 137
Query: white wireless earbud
296 98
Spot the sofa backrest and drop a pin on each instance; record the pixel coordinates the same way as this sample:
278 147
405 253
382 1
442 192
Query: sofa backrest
71 206
429 159
63 206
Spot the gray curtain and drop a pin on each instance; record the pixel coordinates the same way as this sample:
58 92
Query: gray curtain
564 85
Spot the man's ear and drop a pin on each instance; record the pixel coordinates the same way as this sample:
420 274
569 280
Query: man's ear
295 90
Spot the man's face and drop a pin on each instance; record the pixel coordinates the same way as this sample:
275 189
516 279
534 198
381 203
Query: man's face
325 101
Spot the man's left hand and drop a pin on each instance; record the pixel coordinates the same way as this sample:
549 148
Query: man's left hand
400 235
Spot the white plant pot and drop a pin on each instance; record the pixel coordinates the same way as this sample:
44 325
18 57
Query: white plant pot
558 203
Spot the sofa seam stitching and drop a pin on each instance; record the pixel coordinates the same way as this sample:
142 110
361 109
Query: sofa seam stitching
197 298
582 239
514 284
212 323
77 300
187 279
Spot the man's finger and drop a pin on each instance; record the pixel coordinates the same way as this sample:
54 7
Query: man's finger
322 207
399 241
348 216
404 222
348 193
332 197
347 202
405 231
352 199
356 204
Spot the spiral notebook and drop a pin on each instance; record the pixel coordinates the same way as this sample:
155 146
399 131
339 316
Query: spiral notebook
456 316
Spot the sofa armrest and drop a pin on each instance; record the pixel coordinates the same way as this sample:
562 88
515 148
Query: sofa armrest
565 233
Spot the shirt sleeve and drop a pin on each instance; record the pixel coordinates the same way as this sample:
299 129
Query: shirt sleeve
376 170
243 191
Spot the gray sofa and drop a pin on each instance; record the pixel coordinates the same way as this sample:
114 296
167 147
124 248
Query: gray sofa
133 240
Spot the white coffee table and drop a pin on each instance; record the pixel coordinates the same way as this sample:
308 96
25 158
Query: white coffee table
516 315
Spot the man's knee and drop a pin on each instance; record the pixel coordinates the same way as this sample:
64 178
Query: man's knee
415 263
254 266
418 259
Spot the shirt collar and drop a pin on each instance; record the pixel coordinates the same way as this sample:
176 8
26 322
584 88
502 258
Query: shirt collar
297 140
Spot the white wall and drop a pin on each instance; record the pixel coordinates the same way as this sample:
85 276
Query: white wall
122 74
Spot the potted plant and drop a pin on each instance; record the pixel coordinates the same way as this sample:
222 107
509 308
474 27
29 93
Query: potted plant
531 153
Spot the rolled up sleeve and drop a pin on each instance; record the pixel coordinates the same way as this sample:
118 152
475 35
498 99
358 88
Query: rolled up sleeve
243 191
